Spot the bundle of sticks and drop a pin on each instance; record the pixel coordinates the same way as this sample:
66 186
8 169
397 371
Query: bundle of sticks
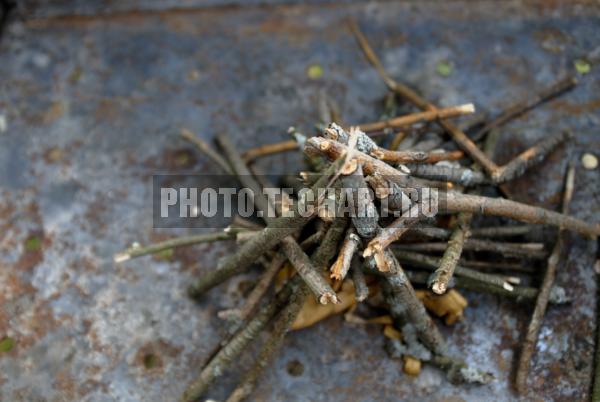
381 244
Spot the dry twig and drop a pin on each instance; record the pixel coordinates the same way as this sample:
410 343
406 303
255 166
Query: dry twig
541 303
407 120
206 149
270 149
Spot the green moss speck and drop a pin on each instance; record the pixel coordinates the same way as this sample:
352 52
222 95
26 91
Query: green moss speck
165 254
444 68
314 71
182 159
582 66
33 243
7 344
150 361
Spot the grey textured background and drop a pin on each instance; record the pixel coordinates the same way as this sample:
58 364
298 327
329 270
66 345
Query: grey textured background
94 95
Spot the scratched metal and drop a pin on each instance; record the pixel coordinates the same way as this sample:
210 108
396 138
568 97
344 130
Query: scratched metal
91 107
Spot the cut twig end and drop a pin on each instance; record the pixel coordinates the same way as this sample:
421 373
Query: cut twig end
187 134
324 145
372 248
349 167
466 108
328 297
377 153
382 262
121 257
439 288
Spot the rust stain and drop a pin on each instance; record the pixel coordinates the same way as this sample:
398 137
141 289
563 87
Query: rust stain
56 110
173 160
95 216
576 109
7 211
107 110
53 155
552 39
30 324
65 383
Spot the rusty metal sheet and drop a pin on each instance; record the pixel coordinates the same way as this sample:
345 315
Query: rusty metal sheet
91 107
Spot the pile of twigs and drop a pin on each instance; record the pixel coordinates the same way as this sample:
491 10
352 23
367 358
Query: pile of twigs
328 250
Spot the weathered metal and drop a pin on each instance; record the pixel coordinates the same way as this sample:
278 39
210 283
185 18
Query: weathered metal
93 102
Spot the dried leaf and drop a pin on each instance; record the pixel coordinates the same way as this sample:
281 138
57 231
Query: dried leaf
284 275
390 332
444 68
313 312
412 366
450 305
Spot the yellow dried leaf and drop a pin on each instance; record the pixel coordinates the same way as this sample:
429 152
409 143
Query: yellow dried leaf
390 332
283 275
450 305
313 312
412 366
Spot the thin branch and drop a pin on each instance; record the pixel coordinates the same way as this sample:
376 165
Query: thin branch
398 138
442 275
491 232
364 143
405 92
270 149
138 251
541 303
394 231
498 174
333 150
263 241
329 245
392 196
309 273
502 231
229 352
244 175
358 277
433 263
407 120
253 300
498 266
408 309
281 327
364 214
290 247
415 156
523 106
522 294
530 157
457 175
439 279
206 149
522 250
456 202
341 266
238 221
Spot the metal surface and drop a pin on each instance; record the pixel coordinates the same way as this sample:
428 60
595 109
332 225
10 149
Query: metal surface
93 105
